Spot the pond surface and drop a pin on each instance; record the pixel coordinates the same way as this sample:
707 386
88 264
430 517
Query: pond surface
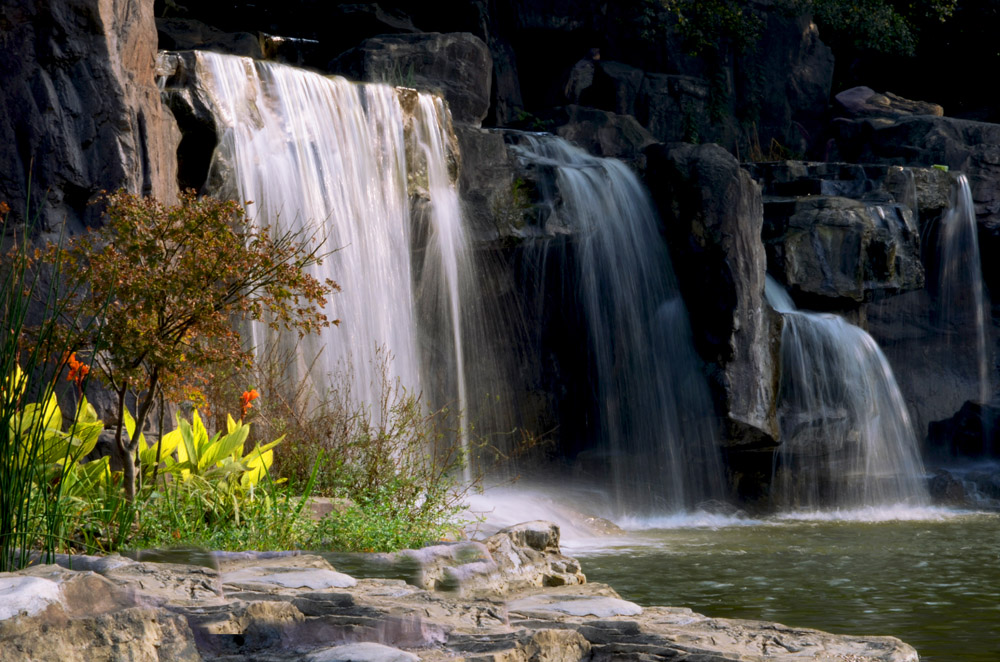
934 581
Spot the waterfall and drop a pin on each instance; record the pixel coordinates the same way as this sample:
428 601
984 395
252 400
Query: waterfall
643 399
960 301
347 163
846 437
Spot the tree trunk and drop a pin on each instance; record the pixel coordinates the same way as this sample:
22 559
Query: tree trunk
125 448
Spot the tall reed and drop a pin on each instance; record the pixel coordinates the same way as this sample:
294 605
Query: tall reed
31 504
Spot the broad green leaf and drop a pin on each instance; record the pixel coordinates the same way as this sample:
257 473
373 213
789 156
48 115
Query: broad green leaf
85 436
55 447
14 384
187 452
225 447
52 418
85 412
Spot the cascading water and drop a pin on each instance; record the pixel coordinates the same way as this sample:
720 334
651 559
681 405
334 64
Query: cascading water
327 157
847 441
960 301
654 426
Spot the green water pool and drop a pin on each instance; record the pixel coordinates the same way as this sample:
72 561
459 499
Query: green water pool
933 581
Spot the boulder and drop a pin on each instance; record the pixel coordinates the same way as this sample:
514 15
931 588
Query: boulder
81 112
675 108
492 204
182 34
512 560
528 555
973 432
600 132
457 65
863 101
785 84
936 371
52 614
618 86
842 248
712 215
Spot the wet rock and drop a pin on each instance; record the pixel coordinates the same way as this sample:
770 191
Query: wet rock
458 65
713 216
81 109
552 645
946 489
863 101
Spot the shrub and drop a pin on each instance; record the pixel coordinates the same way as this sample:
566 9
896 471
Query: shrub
168 282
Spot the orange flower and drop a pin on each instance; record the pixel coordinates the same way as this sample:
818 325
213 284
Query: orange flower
77 371
4 208
245 400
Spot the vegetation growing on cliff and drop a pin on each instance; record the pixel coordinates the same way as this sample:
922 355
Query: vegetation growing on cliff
885 26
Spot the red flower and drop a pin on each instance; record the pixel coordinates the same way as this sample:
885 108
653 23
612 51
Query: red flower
245 400
77 371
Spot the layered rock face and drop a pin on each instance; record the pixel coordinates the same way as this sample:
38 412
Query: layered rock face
712 215
82 113
290 606
834 231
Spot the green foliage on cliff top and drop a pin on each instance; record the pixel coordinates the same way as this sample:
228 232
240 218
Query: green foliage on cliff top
886 26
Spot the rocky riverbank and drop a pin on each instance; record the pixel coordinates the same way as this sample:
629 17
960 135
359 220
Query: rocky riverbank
513 597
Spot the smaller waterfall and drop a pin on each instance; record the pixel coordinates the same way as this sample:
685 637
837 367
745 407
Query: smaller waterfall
847 440
960 300
644 404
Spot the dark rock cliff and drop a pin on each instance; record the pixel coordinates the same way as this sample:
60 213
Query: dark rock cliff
81 110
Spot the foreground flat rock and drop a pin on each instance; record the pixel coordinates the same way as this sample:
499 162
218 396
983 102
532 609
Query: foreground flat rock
520 600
